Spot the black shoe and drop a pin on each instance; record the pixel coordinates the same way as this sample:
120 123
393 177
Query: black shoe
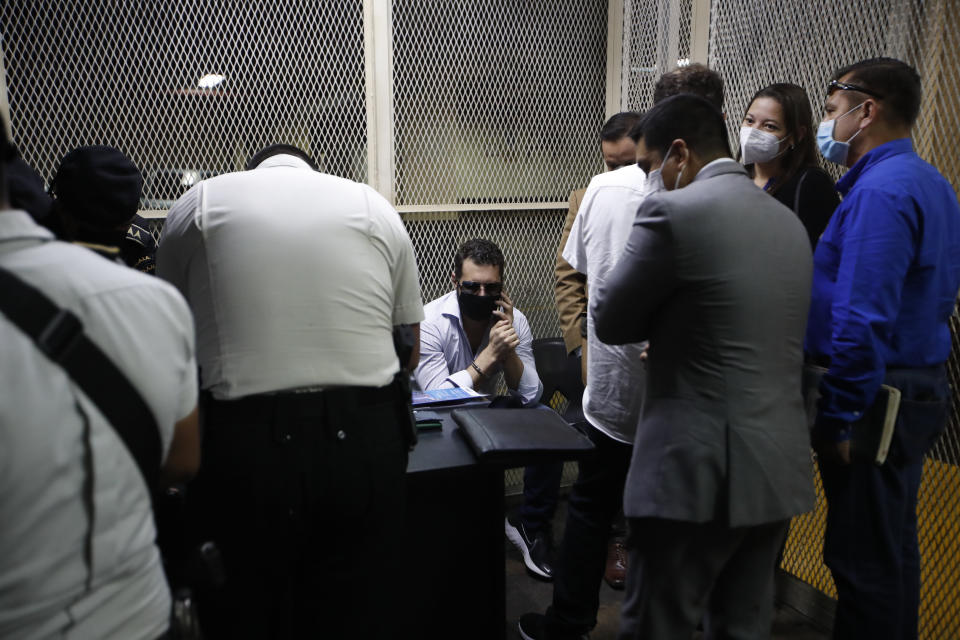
537 551
531 627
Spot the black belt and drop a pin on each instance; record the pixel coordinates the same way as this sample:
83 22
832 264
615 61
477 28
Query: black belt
266 403
824 361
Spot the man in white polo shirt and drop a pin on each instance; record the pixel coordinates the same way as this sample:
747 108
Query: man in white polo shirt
296 279
612 401
77 552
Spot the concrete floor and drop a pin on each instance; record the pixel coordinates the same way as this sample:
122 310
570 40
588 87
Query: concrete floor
525 593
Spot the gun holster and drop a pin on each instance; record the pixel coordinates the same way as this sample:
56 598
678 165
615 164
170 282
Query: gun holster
408 424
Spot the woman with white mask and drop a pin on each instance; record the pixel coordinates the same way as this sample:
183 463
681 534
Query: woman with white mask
778 148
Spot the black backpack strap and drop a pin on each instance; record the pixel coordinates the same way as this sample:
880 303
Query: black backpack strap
58 333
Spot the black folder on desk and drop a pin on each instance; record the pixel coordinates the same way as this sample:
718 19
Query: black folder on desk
519 437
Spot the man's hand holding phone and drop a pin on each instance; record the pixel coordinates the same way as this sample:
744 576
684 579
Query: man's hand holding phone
503 337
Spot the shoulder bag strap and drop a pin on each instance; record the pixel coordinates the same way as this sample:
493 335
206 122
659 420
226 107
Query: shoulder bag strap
58 333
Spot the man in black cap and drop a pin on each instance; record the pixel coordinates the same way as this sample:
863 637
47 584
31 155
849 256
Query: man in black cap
97 191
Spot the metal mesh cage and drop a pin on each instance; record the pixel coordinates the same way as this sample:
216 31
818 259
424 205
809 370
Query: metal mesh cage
656 40
476 118
186 89
495 106
496 101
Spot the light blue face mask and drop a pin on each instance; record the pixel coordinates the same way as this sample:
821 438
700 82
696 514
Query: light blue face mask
834 150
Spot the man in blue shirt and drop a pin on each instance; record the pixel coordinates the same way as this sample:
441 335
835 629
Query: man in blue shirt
886 274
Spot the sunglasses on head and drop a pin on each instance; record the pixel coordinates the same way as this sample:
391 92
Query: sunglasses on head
474 288
846 86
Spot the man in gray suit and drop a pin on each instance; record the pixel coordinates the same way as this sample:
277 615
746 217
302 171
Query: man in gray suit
716 274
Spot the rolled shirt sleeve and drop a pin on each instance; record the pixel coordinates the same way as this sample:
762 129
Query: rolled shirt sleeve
432 371
529 388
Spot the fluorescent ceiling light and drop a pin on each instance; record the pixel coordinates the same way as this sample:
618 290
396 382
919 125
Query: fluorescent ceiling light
210 81
189 178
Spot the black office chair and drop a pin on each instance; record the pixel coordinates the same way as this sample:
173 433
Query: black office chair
560 372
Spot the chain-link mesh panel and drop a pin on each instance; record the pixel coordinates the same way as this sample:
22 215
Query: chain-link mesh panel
656 40
128 74
528 240
750 49
497 101
753 45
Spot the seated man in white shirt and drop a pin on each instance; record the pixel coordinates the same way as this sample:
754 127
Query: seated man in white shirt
469 336
472 333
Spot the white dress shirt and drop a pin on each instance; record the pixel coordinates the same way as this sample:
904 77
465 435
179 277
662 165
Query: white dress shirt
296 279
445 352
615 374
50 431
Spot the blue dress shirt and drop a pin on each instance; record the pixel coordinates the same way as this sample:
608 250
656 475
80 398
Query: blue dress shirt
886 274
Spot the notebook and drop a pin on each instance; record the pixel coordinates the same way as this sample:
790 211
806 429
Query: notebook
873 432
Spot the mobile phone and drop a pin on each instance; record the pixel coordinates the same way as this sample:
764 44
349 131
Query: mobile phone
427 420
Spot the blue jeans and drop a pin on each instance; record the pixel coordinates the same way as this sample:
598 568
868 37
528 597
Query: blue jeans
870 544
541 490
595 501
541 484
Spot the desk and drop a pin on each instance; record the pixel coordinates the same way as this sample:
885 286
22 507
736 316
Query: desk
454 582
454 543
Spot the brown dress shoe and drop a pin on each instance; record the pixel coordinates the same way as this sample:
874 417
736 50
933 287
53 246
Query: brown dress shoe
616 573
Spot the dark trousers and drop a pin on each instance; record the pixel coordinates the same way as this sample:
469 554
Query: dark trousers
541 490
594 504
870 544
677 571
304 495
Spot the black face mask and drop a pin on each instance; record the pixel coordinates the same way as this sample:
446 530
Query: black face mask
479 308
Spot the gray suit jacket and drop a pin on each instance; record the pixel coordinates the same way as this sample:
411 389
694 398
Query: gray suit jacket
717 276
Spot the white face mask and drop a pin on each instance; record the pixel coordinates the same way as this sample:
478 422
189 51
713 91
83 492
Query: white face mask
655 177
758 146
655 181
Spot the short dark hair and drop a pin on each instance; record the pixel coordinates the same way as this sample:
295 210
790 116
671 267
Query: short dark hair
619 126
276 150
897 82
691 118
797 114
695 78
481 252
